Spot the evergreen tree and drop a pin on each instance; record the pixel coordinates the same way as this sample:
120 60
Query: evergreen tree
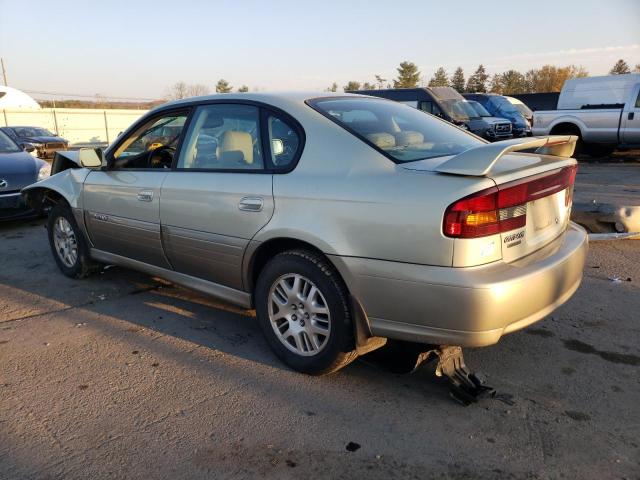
223 86
368 86
408 76
478 81
380 81
243 89
440 78
620 68
457 81
512 82
333 87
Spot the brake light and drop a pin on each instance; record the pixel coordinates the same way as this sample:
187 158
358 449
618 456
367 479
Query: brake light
504 208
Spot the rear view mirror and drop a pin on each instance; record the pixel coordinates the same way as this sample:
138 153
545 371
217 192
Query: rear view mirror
90 157
277 146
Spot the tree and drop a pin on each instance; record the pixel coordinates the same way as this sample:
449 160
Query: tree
637 68
223 86
197 90
620 68
177 91
243 89
333 87
408 76
495 86
478 81
440 78
550 78
457 81
352 85
368 86
380 81
512 82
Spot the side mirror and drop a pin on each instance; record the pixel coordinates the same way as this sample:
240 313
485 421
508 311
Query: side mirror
28 147
90 157
277 146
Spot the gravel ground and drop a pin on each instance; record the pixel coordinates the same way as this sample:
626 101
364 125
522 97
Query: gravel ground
125 376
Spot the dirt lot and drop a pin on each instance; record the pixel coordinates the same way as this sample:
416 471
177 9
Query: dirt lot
124 376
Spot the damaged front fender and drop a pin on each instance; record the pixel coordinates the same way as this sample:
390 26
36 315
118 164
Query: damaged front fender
66 185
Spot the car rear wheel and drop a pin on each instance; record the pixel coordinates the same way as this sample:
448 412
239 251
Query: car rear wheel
303 311
67 243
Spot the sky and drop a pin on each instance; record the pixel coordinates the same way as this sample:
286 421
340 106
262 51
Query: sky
138 49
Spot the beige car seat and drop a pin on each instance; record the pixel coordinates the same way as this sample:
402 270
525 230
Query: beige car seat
235 148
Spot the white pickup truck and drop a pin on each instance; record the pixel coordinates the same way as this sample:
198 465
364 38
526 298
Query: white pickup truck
603 111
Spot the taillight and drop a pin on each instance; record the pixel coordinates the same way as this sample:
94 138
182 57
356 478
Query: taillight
504 208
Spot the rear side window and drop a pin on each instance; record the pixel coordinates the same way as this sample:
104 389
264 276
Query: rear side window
638 101
283 140
402 133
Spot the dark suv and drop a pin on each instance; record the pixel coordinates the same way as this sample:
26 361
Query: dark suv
448 104
500 106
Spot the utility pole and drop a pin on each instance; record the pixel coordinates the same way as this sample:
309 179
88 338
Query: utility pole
4 73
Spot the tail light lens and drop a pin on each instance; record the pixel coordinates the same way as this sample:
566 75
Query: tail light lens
504 208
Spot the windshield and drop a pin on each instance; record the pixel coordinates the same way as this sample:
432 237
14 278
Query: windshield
480 110
7 145
402 133
504 106
32 132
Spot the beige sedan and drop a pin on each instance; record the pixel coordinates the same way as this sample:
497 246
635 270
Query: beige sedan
342 219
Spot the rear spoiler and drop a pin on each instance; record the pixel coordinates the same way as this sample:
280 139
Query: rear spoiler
478 161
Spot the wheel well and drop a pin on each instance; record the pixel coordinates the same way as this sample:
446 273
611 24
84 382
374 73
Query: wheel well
270 249
41 198
566 128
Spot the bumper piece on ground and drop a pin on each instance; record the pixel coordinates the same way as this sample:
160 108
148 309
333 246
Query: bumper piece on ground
464 386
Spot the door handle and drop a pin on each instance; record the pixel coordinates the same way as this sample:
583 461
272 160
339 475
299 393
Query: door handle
145 195
251 204
630 116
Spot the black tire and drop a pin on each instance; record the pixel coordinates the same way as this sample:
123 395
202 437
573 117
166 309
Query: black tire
83 265
339 349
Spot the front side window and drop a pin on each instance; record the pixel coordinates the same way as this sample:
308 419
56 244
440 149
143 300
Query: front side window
223 137
153 144
33 132
284 141
402 133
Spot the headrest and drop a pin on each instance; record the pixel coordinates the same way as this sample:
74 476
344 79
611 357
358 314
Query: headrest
408 138
236 146
382 139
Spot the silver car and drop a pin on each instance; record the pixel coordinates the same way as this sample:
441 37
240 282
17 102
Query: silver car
342 219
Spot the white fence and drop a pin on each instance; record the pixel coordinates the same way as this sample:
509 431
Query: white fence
77 125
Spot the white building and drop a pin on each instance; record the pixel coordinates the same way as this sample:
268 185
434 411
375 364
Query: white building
12 99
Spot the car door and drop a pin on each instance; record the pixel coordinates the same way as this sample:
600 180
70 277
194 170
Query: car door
220 193
631 121
122 202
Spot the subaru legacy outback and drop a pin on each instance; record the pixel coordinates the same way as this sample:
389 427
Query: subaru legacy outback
342 219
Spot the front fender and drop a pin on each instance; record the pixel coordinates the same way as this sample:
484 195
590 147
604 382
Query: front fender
66 184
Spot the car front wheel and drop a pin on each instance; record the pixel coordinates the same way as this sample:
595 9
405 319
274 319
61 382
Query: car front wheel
67 243
303 311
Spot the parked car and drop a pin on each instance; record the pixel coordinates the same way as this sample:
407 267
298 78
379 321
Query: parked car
45 142
523 109
604 112
17 170
499 106
342 219
448 104
502 128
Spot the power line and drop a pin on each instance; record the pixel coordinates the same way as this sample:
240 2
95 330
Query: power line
92 96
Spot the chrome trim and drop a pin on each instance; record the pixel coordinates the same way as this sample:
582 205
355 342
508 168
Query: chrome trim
231 295
7 195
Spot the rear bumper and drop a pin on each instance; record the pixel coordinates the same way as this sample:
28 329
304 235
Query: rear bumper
466 306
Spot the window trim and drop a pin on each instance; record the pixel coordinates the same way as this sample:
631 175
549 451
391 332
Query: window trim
264 110
151 116
313 101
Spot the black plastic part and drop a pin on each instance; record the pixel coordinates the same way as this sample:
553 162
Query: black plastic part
464 386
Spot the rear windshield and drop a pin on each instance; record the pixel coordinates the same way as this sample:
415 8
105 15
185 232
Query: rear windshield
402 133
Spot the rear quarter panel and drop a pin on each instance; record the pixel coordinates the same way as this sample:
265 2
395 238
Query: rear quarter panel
347 199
